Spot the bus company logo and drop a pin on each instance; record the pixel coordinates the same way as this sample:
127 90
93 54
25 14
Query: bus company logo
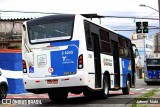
50 70
89 55
42 60
64 58
107 62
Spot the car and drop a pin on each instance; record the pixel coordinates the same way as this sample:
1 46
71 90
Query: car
3 86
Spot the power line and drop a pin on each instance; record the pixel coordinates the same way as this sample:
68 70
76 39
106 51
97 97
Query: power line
85 15
27 12
156 28
132 17
130 23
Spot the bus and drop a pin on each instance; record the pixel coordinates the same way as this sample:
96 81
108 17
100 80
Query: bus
69 53
152 70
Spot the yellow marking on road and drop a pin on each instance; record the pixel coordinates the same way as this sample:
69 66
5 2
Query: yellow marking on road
7 105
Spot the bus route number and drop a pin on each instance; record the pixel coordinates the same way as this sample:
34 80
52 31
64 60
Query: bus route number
67 52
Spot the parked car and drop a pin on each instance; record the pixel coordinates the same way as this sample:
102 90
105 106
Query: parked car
3 86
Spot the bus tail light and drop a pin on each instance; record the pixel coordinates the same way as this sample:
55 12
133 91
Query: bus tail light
80 62
24 66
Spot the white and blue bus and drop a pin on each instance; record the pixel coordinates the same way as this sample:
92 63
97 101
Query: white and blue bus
152 70
68 53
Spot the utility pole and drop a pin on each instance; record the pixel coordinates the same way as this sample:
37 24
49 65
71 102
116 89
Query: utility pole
159 31
159 11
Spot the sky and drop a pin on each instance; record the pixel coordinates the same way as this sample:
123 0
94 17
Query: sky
123 8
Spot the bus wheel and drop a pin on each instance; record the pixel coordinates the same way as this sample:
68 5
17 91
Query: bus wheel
105 91
149 83
88 93
126 90
58 95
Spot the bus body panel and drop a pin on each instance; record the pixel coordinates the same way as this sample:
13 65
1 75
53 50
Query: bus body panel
125 70
153 74
46 60
108 65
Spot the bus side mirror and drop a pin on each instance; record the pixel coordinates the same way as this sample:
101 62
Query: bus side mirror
136 53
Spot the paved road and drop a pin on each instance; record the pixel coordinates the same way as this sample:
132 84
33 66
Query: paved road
116 98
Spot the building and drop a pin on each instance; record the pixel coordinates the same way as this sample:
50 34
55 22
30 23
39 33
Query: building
156 43
145 48
11 33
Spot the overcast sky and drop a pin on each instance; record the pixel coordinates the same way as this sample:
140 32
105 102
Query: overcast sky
102 7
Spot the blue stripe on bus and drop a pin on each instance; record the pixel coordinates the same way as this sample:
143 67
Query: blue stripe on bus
153 74
126 68
76 42
64 62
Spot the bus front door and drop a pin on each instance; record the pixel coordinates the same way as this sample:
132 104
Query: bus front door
115 52
97 60
133 67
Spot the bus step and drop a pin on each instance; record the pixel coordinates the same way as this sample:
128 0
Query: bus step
116 87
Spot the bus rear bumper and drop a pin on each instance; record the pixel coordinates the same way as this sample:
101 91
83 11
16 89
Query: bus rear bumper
57 82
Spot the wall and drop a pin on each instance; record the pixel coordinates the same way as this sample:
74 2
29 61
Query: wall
11 65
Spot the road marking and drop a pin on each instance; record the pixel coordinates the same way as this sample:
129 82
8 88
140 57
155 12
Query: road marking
149 89
8 105
139 89
18 97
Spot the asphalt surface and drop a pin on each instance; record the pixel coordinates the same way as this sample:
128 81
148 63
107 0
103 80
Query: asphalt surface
116 98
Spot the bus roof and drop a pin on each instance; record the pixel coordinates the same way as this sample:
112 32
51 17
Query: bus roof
70 16
98 16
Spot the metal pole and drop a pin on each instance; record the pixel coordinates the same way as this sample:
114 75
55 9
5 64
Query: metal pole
159 27
159 11
145 55
144 48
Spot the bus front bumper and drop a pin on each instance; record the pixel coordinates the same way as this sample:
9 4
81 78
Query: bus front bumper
152 80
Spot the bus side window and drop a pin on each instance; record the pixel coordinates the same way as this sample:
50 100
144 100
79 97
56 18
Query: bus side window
121 52
121 47
126 50
105 41
88 36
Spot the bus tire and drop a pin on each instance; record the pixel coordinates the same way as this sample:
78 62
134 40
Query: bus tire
88 92
105 91
149 83
58 95
126 90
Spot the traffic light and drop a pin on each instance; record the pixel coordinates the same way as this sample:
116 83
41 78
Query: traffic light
145 27
138 27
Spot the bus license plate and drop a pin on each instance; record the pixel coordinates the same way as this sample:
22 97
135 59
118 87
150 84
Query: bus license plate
154 77
55 81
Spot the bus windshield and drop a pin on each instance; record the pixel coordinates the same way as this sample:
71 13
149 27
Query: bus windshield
153 62
48 32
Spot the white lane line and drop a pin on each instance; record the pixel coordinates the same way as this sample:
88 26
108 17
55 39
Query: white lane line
139 89
143 92
149 89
